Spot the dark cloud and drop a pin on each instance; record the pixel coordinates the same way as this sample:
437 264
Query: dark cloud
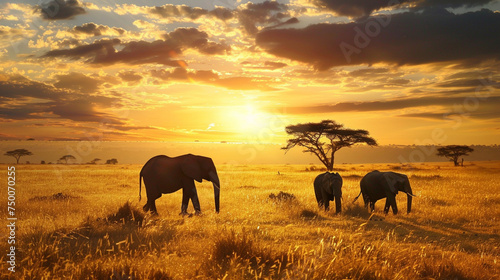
97 48
78 82
222 13
407 38
60 9
249 15
355 8
450 105
95 29
130 77
28 100
103 52
469 82
359 8
193 38
268 12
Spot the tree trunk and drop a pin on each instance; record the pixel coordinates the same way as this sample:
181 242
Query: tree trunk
331 162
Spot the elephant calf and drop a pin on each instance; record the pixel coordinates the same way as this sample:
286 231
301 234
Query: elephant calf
328 186
377 185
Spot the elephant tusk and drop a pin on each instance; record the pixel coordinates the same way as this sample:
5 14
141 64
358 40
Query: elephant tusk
412 195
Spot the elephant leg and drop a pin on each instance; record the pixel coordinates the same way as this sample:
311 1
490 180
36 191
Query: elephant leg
319 197
195 201
372 206
187 194
338 204
326 199
387 206
391 201
151 203
185 202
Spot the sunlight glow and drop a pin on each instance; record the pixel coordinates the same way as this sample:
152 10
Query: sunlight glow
249 120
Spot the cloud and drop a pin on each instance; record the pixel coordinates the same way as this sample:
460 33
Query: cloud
359 8
78 82
268 12
193 38
130 77
103 52
407 38
60 9
266 65
97 48
436 107
9 35
212 78
23 99
173 11
96 30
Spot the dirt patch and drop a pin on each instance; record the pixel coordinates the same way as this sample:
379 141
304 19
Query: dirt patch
308 214
248 187
426 177
282 197
54 197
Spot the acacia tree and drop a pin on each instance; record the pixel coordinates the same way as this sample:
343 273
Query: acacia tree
66 158
112 161
325 138
453 152
17 154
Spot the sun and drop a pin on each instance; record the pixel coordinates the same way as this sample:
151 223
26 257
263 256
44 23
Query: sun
248 119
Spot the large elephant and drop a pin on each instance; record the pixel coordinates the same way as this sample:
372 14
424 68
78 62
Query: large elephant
328 186
376 185
163 174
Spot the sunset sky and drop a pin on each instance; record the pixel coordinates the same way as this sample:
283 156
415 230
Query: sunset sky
408 71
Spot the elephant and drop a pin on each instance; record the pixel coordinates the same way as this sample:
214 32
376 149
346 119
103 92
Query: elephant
328 186
163 174
376 185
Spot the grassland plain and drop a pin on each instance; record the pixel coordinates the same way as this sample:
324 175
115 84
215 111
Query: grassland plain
85 222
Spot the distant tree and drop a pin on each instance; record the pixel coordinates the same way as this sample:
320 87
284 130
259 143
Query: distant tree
325 138
17 154
453 152
94 161
112 161
66 158
42 162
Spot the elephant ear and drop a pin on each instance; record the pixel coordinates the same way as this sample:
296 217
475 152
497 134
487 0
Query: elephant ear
391 182
191 168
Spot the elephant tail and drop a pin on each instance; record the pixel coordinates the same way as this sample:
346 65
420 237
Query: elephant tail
140 185
356 197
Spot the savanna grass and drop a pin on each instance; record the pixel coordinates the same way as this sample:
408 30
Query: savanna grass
84 222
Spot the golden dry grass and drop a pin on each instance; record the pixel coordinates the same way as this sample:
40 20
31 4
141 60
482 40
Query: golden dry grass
75 223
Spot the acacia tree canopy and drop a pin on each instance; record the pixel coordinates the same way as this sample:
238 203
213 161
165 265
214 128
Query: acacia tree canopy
17 154
325 138
453 152
67 157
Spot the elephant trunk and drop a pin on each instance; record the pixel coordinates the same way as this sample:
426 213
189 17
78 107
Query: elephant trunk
410 195
215 181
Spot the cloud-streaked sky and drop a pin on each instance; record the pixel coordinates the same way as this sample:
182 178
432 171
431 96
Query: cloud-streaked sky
241 71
